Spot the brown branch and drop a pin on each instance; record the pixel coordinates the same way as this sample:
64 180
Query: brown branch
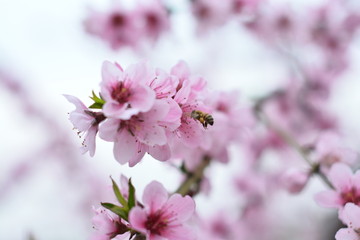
290 140
194 178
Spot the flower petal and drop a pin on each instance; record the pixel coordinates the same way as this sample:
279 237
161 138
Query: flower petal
181 70
81 120
340 176
110 72
179 233
89 141
139 154
346 234
137 219
74 100
125 147
351 215
181 208
155 196
161 153
328 199
108 129
151 134
114 109
142 98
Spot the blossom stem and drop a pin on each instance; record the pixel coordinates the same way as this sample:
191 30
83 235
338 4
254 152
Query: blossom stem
290 141
194 178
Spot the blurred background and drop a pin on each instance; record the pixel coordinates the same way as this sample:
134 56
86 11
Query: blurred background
47 188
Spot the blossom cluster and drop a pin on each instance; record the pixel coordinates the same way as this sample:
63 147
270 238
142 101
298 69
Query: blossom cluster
212 13
121 27
168 115
159 216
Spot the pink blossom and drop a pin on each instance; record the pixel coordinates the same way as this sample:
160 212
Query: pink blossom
231 123
189 95
108 226
87 122
125 92
139 134
163 217
211 13
221 226
329 150
116 26
294 180
239 6
351 217
153 19
165 86
346 184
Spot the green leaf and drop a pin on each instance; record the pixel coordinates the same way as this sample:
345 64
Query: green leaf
131 200
98 101
96 98
96 106
117 210
119 196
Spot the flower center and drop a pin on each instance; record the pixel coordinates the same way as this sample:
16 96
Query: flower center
155 223
152 20
120 93
351 196
118 20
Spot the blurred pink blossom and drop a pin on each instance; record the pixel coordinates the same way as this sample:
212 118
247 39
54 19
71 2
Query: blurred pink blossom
346 184
351 217
163 217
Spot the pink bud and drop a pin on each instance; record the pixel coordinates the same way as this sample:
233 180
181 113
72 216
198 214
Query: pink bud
294 180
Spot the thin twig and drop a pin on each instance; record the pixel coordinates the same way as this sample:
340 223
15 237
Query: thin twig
291 142
194 178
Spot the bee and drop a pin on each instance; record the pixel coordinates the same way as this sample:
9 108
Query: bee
203 118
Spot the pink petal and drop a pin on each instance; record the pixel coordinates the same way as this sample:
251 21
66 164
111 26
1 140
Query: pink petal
140 72
328 199
158 111
347 234
181 208
89 140
340 176
151 134
179 233
128 113
155 196
81 120
111 75
74 100
139 154
156 237
125 147
137 219
110 72
351 215
191 134
114 109
348 155
161 153
108 129
172 119
182 95
356 181
142 98
181 70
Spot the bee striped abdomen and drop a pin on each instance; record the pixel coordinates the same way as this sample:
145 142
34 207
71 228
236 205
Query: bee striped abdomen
203 118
